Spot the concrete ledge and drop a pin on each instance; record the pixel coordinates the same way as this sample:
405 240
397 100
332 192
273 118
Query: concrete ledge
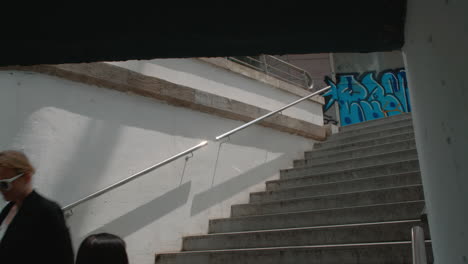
262 77
117 78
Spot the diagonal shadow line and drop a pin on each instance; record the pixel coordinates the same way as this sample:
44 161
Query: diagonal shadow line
142 216
231 187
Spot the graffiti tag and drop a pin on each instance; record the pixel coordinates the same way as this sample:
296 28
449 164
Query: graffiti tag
367 98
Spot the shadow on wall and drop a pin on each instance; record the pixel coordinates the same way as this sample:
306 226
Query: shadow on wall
364 98
114 107
144 215
233 186
109 113
94 148
98 140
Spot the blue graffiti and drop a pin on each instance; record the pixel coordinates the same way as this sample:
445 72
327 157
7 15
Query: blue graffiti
365 98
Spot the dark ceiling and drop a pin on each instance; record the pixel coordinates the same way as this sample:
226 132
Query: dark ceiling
39 34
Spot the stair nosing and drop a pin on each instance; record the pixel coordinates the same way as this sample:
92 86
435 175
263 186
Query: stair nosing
345 160
327 195
330 148
323 184
358 149
296 247
306 177
307 228
359 168
378 131
377 125
408 116
346 170
354 192
318 210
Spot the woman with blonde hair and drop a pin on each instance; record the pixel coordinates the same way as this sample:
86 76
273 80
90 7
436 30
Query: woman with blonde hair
32 228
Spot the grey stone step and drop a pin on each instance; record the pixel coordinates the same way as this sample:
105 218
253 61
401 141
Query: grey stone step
358 162
323 151
364 253
364 136
365 151
352 199
359 185
376 122
351 215
358 155
309 236
299 174
367 129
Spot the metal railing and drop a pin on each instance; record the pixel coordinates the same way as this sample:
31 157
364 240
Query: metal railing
185 152
277 68
134 176
418 245
227 134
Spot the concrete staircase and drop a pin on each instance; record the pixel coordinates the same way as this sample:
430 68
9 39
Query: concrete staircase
353 199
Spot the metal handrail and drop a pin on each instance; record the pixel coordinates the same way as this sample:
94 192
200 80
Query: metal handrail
287 63
134 176
268 67
270 114
418 245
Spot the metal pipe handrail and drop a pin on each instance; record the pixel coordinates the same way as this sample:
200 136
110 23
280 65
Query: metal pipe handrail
270 67
134 176
285 72
278 76
245 63
270 114
418 245
308 78
285 62
294 66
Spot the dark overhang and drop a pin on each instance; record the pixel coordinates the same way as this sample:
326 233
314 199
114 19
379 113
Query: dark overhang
39 34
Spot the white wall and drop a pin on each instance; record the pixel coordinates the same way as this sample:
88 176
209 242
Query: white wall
210 78
364 62
436 52
83 138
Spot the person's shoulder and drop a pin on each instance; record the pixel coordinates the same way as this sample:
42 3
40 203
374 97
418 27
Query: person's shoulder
44 204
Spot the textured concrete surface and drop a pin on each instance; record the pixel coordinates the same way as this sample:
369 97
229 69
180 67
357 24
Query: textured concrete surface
362 172
377 196
113 77
352 206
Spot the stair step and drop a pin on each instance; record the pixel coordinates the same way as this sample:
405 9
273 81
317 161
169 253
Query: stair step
364 136
290 180
376 122
358 172
308 236
368 129
375 253
360 185
362 160
361 152
352 199
350 215
358 162
327 150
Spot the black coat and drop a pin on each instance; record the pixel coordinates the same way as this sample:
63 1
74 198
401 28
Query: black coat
37 234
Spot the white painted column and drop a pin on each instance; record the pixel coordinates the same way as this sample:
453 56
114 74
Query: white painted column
436 57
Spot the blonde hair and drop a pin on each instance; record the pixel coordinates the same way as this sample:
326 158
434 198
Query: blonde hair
16 160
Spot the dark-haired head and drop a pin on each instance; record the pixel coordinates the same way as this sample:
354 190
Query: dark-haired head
102 248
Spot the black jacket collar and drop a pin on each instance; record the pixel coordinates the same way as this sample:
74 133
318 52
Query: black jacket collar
25 206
